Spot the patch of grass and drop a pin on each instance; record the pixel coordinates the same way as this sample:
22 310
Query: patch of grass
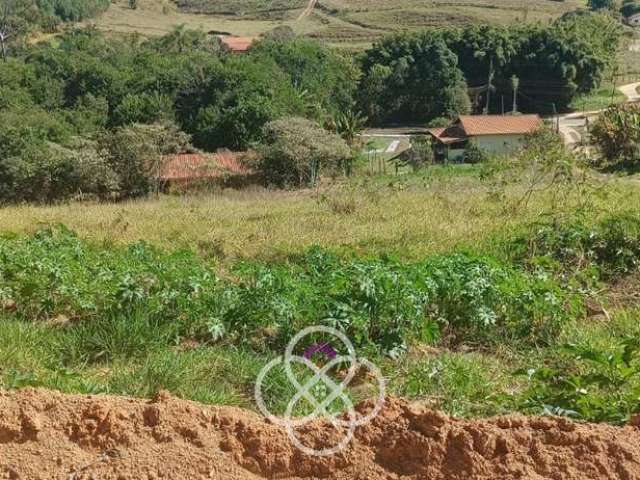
599 99
456 330
351 23
462 384
406 216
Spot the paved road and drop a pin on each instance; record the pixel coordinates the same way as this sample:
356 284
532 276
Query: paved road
571 124
631 91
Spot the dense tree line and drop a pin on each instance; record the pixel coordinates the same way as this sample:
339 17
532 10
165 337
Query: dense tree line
58 102
20 17
70 98
420 76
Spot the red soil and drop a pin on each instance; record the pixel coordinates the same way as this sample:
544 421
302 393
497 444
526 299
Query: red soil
48 435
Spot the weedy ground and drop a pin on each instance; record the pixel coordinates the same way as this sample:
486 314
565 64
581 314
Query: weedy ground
469 298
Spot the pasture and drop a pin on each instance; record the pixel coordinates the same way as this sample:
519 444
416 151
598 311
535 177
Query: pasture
341 22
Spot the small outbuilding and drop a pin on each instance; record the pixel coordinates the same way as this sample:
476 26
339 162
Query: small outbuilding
183 171
236 45
494 134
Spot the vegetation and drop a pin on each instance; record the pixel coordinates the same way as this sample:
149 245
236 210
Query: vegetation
617 134
64 105
474 286
297 152
552 65
466 330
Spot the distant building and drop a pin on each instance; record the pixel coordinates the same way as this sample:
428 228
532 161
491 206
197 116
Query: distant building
633 20
188 169
237 45
494 134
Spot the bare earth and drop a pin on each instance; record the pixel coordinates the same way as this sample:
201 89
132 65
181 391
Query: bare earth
49 435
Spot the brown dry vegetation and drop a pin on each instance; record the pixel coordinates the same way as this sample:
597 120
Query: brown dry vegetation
350 22
429 214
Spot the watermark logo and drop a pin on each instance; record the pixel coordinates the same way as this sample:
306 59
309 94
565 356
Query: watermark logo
321 377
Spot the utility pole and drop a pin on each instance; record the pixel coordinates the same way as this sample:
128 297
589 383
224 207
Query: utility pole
557 117
502 98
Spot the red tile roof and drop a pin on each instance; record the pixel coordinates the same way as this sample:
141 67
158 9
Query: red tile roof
201 166
474 125
448 135
237 44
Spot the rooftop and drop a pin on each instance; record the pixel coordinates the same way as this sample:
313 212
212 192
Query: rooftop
499 124
237 44
190 166
475 125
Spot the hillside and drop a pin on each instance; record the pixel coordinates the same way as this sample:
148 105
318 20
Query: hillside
337 21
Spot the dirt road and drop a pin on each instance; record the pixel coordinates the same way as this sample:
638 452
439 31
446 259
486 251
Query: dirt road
572 124
309 10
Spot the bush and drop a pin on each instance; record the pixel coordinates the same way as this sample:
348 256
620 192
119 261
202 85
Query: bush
590 384
297 151
608 249
617 135
421 152
474 154
382 304
135 153
52 173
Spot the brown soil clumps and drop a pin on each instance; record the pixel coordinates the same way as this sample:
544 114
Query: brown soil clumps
49 435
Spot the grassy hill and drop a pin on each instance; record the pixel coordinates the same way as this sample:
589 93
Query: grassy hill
347 22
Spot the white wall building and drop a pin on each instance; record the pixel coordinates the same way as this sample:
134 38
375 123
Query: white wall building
494 134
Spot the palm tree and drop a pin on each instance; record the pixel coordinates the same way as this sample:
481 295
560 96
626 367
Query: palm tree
515 83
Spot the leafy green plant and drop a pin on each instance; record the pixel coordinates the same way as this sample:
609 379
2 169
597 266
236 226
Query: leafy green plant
110 293
607 249
590 384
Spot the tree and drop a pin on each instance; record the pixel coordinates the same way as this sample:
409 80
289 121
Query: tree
296 151
616 133
602 4
133 4
515 83
413 77
348 125
136 153
16 17
324 78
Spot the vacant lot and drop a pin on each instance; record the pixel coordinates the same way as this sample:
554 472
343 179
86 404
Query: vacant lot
412 216
346 22
440 277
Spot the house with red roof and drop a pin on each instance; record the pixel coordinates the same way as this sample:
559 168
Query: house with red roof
236 45
189 169
494 134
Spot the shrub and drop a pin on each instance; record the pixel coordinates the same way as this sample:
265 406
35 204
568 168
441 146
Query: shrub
52 173
297 151
591 384
379 303
135 152
617 135
421 152
474 154
607 249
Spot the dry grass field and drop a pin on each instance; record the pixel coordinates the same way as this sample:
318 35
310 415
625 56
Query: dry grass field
408 216
346 22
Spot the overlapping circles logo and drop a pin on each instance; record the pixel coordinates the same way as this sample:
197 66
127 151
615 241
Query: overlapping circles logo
320 377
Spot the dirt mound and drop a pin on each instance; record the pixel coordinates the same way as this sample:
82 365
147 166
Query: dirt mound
48 435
